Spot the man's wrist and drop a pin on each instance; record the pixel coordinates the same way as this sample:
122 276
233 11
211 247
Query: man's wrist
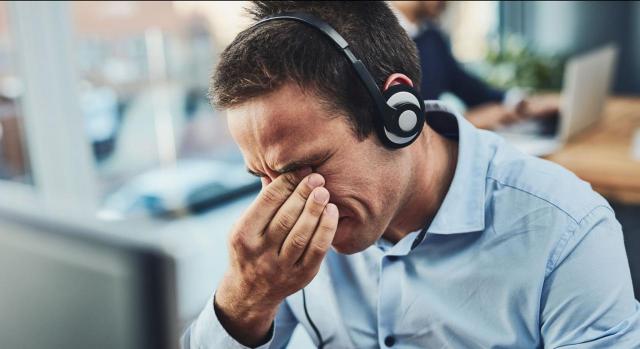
238 299
249 312
250 326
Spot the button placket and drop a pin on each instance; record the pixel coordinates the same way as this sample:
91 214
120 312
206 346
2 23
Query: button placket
389 299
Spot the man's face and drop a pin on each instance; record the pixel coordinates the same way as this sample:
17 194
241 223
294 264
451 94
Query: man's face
289 129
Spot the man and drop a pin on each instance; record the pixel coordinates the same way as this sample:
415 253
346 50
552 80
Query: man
453 241
489 107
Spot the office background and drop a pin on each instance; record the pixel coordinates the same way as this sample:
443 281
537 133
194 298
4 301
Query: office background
571 27
104 111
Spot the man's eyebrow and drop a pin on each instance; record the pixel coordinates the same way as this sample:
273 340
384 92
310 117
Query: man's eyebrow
297 164
309 160
257 174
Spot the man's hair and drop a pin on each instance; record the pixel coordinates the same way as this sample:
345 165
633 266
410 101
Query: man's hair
262 59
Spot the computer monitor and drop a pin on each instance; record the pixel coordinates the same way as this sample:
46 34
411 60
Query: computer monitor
70 286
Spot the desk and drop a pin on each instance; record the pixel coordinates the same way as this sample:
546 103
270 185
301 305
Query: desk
601 154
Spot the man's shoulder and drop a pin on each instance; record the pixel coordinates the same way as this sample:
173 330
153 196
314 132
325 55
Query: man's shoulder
529 181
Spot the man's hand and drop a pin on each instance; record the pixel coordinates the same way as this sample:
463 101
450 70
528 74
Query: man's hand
540 106
491 116
276 249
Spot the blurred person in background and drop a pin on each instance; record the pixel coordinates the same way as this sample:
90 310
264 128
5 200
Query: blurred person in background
488 107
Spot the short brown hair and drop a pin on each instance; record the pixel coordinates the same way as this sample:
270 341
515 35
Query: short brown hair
262 59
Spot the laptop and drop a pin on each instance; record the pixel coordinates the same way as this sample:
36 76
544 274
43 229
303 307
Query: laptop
73 286
585 87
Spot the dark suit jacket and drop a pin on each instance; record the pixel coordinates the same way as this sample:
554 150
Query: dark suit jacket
442 73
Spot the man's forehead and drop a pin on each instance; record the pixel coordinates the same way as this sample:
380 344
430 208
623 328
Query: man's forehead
273 134
281 128
286 127
283 115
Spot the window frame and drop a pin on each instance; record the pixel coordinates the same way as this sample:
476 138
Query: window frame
62 164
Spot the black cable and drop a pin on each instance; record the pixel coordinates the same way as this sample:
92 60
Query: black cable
313 326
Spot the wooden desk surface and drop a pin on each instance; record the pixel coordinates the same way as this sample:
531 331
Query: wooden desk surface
602 154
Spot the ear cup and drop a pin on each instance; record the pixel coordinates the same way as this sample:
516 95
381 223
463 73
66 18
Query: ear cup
408 115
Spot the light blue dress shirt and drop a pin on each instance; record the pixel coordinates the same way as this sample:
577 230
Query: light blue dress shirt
521 254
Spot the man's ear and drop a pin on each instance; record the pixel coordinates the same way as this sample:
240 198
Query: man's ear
395 79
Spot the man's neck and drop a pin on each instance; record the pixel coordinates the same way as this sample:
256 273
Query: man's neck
433 172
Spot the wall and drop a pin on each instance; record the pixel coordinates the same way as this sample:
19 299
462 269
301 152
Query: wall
571 27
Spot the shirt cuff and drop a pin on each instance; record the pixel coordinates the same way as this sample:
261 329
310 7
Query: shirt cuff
207 332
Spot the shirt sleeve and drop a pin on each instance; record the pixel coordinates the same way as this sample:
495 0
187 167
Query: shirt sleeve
206 332
587 298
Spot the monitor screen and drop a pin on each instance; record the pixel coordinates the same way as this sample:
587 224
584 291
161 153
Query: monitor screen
65 286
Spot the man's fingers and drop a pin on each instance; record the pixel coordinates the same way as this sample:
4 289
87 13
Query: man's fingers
322 238
297 240
254 221
288 214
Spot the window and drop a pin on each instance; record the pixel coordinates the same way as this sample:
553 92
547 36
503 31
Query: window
144 70
14 157
471 26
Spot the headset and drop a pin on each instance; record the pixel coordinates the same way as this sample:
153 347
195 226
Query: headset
400 109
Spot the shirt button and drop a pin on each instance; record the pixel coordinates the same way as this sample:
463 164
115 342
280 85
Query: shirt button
392 258
389 341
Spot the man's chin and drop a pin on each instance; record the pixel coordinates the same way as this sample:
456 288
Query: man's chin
346 239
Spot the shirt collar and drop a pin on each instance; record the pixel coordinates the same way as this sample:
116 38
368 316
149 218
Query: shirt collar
462 210
403 247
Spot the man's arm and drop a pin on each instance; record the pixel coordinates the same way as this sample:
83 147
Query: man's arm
470 89
587 299
442 73
208 333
